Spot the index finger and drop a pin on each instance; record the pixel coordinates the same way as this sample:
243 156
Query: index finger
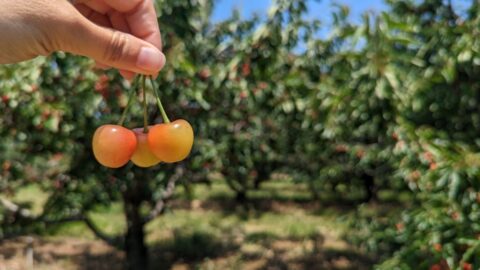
141 18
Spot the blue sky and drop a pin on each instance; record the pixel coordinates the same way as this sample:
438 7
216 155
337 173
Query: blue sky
319 10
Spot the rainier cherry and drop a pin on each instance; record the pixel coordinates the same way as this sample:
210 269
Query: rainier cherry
113 145
143 157
171 142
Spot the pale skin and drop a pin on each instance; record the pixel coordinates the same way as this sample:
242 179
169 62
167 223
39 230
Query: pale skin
123 34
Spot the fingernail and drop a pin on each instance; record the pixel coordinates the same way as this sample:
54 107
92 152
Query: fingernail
150 59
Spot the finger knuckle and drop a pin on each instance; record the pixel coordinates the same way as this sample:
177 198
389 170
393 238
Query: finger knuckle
117 47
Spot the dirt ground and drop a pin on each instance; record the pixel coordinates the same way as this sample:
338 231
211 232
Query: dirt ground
58 254
203 234
72 253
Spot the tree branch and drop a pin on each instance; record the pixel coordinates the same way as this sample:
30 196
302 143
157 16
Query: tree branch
26 215
453 15
167 194
12 207
62 220
112 241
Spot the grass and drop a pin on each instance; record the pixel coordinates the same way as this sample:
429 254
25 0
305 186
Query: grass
33 196
284 231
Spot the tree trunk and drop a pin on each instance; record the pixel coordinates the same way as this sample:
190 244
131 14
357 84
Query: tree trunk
135 248
263 174
370 188
257 182
241 197
313 190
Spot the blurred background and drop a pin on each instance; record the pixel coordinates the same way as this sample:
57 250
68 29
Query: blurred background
328 135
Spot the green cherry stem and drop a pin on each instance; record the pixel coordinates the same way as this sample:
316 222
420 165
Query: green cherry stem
159 101
145 117
133 88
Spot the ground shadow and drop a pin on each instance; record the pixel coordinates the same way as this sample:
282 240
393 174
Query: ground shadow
7 252
274 203
258 206
332 259
312 253
190 247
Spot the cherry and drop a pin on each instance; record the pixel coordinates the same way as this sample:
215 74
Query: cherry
171 142
113 145
143 157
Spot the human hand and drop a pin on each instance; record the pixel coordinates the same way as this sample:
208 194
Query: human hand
115 33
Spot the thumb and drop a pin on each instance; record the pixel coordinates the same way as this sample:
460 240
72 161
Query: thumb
114 48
